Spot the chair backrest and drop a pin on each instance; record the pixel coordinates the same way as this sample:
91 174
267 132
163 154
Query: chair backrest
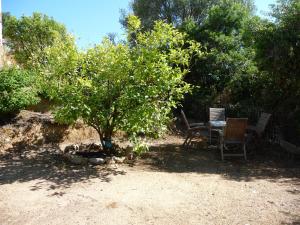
262 122
235 129
216 114
185 120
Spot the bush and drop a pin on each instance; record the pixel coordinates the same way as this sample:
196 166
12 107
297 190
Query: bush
17 90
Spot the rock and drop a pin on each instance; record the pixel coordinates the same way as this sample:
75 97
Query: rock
110 160
94 146
71 148
130 156
8 146
118 159
97 161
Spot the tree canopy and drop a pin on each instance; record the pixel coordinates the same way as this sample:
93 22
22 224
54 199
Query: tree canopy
129 86
28 37
175 12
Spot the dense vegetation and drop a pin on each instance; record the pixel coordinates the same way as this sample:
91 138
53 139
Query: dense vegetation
249 64
220 54
17 90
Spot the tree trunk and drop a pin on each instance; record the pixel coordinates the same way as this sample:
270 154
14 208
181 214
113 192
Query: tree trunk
105 137
105 140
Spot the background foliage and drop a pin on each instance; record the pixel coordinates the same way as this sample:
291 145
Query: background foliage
245 63
249 64
28 37
17 90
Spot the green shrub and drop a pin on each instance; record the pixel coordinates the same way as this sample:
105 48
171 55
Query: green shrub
17 90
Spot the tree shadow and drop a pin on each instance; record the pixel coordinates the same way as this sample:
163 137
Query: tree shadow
295 218
172 158
24 163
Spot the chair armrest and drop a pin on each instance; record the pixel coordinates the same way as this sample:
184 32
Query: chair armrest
197 124
197 128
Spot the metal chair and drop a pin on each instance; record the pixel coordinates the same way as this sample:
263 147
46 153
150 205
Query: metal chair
216 114
234 136
260 127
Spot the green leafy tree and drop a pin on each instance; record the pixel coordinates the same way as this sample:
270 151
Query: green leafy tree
278 54
63 60
227 72
223 74
17 90
129 87
28 37
175 12
277 45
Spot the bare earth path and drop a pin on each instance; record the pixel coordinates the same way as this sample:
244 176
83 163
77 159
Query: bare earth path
167 186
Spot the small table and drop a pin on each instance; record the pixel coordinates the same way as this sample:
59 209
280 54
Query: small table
217 124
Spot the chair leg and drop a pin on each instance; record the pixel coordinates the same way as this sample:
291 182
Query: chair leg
189 141
209 135
245 152
222 154
185 141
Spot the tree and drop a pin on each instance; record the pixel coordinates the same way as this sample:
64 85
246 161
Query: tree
277 45
175 12
129 87
28 36
278 54
227 71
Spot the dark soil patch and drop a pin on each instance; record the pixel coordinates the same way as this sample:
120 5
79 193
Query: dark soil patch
92 154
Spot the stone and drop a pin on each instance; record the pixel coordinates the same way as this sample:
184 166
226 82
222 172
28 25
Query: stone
94 146
71 148
130 156
119 159
97 161
110 160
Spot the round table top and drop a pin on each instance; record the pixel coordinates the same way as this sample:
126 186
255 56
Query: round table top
217 123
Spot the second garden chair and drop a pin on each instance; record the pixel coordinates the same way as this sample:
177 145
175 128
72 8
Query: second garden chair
193 130
234 135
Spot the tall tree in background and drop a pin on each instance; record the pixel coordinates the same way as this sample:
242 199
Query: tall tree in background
225 71
278 53
225 74
174 11
29 36
277 45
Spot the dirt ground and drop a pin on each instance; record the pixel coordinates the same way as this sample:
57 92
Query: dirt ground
168 185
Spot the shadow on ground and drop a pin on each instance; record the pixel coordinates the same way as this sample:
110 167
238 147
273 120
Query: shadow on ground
295 219
25 163
172 158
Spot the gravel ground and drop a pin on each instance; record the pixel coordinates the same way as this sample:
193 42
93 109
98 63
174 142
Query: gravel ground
167 186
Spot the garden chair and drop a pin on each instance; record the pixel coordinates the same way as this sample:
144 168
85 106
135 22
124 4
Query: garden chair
234 135
216 119
193 130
